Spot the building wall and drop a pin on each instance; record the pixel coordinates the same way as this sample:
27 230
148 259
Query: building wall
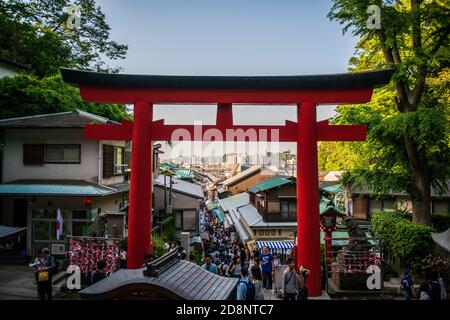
108 203
87 170
360 208
180 201
286 233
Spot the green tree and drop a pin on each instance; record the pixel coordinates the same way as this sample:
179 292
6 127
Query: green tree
27 95
36 34
407 145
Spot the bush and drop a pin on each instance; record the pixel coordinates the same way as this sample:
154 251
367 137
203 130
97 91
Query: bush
169 233
158 245
403 238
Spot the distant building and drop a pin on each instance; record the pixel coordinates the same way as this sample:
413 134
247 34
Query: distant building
245 179
9 68
361 202
46 165
184 203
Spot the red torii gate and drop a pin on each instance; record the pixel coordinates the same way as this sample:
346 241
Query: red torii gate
304 91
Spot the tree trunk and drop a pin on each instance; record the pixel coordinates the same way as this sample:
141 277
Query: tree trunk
421 199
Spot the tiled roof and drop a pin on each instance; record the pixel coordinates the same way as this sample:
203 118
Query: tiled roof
183 279
181 186
242 175
71 119
327 205
236 201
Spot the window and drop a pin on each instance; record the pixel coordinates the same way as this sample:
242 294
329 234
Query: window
178 221
33 154
273 232
189 220
81 221
284 207
62 153
260 232
119 163
267 232
440 207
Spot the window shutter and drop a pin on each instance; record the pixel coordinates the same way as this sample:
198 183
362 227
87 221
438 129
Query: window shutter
108 161
33 154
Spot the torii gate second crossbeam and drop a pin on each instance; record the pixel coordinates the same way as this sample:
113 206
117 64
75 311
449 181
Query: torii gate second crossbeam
304 91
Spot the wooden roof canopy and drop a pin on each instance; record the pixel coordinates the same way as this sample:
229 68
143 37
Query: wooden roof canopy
167 278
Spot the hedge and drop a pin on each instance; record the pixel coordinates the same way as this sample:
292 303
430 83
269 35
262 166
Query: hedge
402 237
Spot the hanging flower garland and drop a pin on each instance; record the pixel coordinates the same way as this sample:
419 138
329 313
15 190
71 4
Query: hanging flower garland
86 253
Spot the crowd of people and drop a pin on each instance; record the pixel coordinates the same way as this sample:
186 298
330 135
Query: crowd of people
432 287
255 269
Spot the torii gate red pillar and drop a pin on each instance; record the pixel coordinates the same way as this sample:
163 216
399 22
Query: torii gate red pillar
308 216
140 210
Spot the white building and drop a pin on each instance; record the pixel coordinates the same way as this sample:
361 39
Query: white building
46 165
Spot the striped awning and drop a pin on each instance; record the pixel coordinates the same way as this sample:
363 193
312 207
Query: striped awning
276 246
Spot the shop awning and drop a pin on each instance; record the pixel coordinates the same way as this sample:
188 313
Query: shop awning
219 215
276 246
55 189
10 234
212 206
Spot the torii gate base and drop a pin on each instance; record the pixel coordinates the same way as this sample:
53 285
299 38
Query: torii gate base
304 91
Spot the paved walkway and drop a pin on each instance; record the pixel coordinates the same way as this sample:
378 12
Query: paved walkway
17 283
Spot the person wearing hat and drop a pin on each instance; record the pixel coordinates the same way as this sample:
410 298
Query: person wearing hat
407 285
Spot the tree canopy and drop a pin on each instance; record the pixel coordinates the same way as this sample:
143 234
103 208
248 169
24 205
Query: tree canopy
38 34
408 121
26 95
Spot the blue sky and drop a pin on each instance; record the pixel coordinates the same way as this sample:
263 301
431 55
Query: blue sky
229 37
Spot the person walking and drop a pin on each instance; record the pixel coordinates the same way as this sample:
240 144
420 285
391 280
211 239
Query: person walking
268 268
235 269
303 276
209 266
243 292
257 281
406 287
290 281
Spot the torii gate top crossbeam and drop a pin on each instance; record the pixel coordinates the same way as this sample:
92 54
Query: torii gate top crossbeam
320 89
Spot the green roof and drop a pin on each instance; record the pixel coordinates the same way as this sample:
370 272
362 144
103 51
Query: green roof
212 206
327 205
271 183
179 173
336 188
